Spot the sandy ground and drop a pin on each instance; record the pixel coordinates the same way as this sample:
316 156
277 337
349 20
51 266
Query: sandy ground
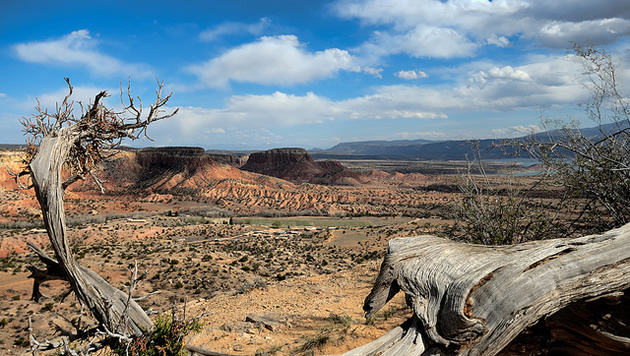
299 310
313 305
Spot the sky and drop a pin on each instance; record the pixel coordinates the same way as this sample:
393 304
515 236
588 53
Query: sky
309 73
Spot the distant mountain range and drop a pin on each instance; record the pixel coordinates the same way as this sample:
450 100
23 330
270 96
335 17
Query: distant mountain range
411 149
373 146
445 150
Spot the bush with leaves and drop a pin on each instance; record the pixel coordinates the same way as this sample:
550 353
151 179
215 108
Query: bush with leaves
588 170
166 338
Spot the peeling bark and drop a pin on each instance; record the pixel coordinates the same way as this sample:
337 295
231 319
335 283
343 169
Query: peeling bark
474 300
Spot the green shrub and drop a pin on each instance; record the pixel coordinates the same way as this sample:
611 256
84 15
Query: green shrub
317 341
166 338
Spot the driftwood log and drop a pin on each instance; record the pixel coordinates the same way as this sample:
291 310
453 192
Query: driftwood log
475 300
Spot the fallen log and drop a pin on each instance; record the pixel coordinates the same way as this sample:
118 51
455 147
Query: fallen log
475 300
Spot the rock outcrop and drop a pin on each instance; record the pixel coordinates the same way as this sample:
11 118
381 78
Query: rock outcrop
148 179
296 165
233 160
163 169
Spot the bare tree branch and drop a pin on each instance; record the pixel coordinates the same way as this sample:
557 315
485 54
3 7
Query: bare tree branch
60 144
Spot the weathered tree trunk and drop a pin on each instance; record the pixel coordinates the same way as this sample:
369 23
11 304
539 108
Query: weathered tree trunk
111 307
474 300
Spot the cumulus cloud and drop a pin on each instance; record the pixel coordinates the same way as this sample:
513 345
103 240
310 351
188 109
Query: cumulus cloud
259 111
77 48
457 28
551 84
272 60
506 73
282 110
423 28
3 95
410 74
499 41
231 28
557 34
421 41
546 82
285 109
375 72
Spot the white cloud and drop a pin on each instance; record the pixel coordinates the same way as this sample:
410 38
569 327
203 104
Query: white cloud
272 60
421 41
410 74
285 109
551 83
77 48
557 34
546 82
281 109
518 130
259 111
505 73
508 72
457 28
3 95
375 72
499 41
424 28
230 28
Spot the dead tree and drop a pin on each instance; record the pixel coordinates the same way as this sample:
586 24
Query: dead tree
474 300
63 149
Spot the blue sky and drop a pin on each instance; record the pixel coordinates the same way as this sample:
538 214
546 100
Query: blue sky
290 73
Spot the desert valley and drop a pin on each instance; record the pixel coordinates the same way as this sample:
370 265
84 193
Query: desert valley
273 251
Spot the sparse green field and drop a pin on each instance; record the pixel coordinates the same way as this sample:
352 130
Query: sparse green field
322 221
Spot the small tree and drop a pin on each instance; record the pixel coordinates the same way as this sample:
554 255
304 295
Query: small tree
63 148
494 216
499 211
588 172
593 166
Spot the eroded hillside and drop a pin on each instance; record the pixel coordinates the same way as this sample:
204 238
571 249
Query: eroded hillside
226 242
184 179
